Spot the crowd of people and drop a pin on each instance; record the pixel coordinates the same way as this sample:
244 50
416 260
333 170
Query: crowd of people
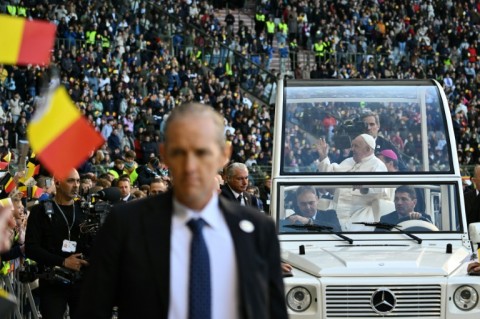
125 74
126 67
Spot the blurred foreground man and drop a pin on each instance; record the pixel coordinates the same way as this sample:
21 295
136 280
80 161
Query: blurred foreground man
186 253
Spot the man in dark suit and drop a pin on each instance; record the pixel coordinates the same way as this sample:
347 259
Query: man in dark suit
236 183
472 199
152 254
125 189
308 214
371 121
405 201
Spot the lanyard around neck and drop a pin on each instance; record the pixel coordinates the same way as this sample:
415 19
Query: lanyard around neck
69 227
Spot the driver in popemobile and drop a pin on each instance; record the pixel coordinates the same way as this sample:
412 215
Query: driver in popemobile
405 201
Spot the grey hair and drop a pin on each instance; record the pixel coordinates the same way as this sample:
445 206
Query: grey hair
233 167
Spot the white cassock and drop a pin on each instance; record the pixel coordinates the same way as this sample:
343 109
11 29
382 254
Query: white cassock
354 205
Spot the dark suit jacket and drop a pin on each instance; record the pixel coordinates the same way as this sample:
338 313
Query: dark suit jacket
130 262
393 218
323 218
472 206
249 199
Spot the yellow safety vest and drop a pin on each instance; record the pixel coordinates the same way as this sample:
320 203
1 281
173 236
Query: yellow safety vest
283 27
12 10
270 27
105 42
114 173
228 69
91 37
260 17
22 11
319 49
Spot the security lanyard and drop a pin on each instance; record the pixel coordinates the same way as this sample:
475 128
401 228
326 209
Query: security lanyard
69 227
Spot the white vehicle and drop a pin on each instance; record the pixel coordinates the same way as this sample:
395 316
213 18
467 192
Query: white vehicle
346 263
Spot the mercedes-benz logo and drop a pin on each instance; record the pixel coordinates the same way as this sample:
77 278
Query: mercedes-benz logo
383 301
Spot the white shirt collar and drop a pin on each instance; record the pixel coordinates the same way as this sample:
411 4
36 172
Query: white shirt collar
210 213
234 192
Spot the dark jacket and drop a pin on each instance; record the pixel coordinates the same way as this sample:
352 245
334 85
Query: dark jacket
326 218
250 200
394 218
130 264
472 206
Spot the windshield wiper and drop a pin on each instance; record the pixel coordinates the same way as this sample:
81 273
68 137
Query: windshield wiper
321 228
389 227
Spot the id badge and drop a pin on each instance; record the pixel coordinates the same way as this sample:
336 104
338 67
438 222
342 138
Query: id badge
69 246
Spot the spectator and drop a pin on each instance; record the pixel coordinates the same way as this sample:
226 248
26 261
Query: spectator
158 186
124 185
149 172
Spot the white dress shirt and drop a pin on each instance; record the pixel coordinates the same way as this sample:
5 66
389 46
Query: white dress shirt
223 265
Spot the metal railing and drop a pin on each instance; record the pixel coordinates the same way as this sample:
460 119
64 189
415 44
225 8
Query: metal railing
25 307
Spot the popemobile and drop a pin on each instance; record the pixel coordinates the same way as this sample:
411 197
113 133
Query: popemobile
368 201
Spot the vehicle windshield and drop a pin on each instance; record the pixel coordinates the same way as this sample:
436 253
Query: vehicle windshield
368 207
405 121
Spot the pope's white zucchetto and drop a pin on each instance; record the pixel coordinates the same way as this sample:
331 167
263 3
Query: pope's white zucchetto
369 140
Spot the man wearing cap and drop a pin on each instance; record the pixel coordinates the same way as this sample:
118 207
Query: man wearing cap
390 159
363 158
354 204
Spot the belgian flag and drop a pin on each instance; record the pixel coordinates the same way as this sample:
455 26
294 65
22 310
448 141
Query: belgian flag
60 136
24 42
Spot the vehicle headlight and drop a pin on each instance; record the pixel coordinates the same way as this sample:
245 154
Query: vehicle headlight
299 299
465 298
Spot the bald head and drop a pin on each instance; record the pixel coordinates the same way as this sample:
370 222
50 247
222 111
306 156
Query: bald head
196 110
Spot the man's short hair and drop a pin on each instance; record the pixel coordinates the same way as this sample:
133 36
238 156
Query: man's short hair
124 178
305 189
130 154
154 161
103 182
373 114
407 189
195 110
85 177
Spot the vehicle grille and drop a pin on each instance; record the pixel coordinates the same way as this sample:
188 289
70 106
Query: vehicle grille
412 301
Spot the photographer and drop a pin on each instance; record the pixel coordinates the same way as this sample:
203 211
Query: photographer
52 239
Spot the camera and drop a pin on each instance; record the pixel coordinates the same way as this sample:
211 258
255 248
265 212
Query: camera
348 130
96 211
31 272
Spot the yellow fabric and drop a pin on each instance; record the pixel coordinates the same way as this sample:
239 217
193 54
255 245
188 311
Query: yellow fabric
11 29
270 26
46 125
